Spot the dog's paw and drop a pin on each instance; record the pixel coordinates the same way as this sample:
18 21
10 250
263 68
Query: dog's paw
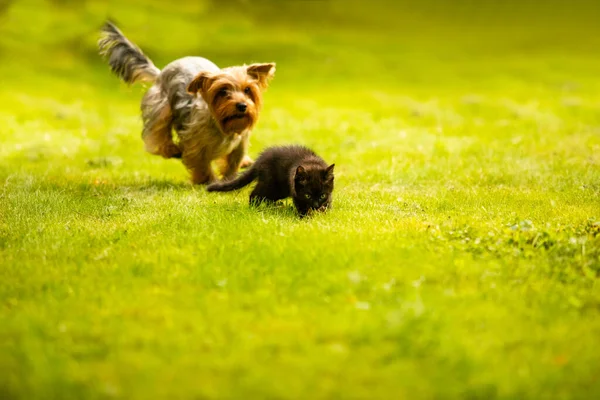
246 162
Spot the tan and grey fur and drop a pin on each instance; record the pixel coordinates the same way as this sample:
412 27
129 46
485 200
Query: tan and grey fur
197 101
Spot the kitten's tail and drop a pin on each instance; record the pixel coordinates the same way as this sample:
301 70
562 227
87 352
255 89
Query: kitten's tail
125 58
242 180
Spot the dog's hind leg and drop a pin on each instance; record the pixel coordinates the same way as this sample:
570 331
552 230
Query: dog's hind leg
197 161
158 121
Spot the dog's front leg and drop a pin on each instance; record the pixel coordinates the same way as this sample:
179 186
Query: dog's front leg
235 158
246 161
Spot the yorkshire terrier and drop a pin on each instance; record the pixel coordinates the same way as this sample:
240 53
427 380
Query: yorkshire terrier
211 110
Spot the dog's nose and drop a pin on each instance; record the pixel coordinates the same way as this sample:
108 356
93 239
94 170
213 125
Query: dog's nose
241 107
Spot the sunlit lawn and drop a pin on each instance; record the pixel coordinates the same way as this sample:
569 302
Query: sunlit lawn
461 259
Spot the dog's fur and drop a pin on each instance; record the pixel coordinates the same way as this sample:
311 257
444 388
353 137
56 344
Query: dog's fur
211 110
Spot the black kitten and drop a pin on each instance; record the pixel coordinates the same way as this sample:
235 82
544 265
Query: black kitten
286 171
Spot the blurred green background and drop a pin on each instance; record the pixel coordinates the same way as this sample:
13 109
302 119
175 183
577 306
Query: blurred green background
461 259
426 63
430 44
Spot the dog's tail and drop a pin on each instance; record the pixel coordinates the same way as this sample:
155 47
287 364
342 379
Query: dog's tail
242 180
125 58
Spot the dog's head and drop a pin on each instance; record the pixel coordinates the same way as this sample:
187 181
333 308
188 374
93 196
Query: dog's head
234 94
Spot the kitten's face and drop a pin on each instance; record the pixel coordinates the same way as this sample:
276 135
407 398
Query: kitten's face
313 188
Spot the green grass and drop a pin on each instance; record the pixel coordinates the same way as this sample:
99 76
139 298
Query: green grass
461 259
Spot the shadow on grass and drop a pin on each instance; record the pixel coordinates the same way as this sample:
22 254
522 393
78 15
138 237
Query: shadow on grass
283 209
55 183
106 198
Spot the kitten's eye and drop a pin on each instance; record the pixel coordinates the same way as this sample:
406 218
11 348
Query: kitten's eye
307 196
248 90
323 196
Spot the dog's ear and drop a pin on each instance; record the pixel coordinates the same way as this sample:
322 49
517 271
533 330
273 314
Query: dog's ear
263 73
201 82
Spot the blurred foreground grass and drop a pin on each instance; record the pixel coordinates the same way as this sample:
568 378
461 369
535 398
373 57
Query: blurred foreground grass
461 259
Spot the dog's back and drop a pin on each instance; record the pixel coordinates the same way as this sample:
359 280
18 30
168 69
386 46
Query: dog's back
173 81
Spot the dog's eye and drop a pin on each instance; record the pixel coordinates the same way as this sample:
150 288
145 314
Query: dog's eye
307 196
248 90
223 92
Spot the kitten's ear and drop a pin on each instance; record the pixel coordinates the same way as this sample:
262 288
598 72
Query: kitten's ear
329 172
300 173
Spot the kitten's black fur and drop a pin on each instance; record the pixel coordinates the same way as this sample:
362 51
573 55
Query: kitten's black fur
286 171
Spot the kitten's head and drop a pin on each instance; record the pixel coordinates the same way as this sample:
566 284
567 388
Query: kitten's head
312 188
